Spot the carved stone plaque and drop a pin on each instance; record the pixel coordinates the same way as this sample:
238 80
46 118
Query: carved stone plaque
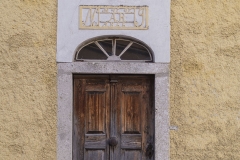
114 17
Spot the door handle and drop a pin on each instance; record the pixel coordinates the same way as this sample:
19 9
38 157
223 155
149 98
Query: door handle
112 141
149 151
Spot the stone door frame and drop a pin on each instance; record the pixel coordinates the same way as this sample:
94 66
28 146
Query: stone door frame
65 100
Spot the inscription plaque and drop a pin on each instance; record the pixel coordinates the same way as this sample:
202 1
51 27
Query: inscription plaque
114 17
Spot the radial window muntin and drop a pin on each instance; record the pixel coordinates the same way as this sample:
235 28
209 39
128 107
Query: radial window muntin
137 56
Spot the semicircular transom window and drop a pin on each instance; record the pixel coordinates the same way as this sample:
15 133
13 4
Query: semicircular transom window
114 49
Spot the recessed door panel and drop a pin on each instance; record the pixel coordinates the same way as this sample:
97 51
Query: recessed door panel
95 141
95 154
131 112
96 113
131 141
113 117
131 155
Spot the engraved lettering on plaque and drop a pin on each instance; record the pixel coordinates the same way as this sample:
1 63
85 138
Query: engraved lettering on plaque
114 17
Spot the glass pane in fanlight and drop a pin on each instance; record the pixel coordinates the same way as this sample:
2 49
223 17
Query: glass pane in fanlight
136 52
120 46
107 46
91 51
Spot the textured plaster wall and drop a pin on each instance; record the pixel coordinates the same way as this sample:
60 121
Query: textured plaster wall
28 79
205 79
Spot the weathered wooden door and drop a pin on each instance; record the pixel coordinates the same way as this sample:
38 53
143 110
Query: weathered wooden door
113 117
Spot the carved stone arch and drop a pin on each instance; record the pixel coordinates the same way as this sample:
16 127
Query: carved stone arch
114 48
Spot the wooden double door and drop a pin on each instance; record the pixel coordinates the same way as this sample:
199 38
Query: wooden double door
113 117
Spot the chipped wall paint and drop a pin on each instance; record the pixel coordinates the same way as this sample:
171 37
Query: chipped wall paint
205 79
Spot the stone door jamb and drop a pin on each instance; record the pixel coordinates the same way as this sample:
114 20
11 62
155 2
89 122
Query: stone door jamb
65 100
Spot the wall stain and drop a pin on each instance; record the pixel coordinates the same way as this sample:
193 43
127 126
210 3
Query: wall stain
20 40
14 66
192 66
230 30
35 2
231 52
14 135
16 149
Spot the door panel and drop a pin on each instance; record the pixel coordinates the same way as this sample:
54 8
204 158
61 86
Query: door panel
96 114
134 103
95 141
131 112
131 141
91 105
95 154
113 117
131 155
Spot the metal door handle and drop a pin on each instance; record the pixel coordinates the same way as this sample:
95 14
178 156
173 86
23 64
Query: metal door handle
112 141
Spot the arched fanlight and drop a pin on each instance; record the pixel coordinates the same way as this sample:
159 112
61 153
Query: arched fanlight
113 49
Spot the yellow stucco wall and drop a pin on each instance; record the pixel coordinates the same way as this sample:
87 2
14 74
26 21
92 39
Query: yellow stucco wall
205 79
28 79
